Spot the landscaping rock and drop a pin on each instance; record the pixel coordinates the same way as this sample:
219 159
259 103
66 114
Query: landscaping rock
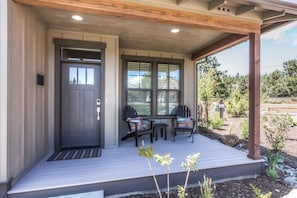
230 140
292 181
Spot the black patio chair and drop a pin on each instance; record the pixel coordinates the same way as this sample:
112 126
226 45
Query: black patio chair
137 126
183 121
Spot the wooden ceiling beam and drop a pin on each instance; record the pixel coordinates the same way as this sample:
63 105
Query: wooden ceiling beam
220 45
245 9
216 3
129 10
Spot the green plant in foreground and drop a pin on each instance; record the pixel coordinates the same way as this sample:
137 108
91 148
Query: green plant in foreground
272 160
165 160
258 192
206 189
189 165
272 173
148 153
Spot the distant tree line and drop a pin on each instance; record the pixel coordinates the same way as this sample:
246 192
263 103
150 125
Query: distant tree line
214 85
276 84
281 83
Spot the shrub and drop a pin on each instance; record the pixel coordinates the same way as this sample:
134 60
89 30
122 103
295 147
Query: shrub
276 131
244 127
206 189
236 105
204 125
258 192
272 160
217 122
272 173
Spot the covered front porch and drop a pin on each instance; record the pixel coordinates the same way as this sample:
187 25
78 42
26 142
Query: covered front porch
121 170
130 31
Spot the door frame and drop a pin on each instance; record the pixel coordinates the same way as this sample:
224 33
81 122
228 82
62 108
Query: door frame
59 43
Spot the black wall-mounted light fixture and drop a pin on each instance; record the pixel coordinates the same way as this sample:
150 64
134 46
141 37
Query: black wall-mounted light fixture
40 79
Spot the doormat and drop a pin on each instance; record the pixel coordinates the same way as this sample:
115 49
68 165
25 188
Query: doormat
75 153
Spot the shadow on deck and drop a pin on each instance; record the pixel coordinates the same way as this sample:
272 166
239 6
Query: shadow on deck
120 170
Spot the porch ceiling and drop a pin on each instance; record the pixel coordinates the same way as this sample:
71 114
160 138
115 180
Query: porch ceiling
134 34
207 26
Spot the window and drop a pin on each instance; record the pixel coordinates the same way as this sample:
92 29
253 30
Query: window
168 88
152 87
139 75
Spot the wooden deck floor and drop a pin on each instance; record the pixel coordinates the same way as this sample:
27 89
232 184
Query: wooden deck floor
117 165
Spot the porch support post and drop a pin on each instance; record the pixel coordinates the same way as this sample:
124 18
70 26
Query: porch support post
3 98
254 96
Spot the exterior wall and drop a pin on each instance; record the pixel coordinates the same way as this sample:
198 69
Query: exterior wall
27 140
111 81
3 98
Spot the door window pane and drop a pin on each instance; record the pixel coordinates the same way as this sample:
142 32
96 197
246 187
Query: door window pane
90 76
81 76
72 75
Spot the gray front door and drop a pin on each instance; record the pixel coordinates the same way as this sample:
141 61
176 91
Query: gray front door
80 105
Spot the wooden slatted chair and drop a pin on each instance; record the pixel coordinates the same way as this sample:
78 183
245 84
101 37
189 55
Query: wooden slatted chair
183 121
137 126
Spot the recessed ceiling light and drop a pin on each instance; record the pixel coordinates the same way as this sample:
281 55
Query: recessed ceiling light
175 30
77 17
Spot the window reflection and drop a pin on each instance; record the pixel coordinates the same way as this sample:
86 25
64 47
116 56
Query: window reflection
90 76
139 75
81 76
72 75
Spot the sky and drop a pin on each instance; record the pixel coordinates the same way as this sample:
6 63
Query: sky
277 47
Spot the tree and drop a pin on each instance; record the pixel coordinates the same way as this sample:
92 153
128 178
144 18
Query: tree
236 105
206 85
290 74
243 85
281 84
275 85
222 84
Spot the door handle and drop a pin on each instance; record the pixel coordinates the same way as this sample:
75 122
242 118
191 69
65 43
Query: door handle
98 113
98 103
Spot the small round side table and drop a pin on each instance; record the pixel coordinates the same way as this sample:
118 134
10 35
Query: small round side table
162 127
